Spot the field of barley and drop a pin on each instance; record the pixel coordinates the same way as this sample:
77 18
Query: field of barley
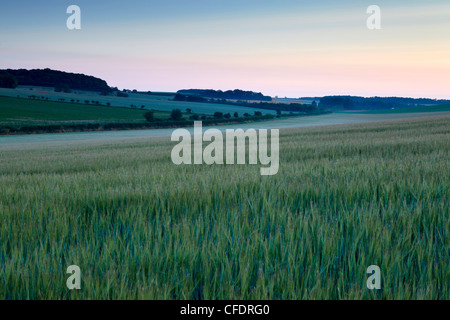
346 197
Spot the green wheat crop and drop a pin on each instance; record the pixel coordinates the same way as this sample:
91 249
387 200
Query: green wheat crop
139 227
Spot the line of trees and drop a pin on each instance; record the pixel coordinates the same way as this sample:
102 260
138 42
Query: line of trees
373 103
289 107
189 98
177 116
230 94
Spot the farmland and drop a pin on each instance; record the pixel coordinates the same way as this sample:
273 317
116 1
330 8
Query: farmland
161 102
346 197
27 116
25 111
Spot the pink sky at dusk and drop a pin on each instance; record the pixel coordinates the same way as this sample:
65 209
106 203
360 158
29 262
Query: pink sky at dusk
286 53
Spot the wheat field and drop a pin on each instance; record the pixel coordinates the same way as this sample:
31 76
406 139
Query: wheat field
346 197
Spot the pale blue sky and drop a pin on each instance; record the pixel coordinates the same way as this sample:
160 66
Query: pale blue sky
286 48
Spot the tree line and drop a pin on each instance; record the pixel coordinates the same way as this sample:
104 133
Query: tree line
230 94
289 107
374 103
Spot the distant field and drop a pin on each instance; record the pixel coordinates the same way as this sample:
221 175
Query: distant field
27 111
445 107
293 100
156 102
346 197
33 115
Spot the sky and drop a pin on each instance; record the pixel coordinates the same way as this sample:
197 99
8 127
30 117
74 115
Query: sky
285 48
